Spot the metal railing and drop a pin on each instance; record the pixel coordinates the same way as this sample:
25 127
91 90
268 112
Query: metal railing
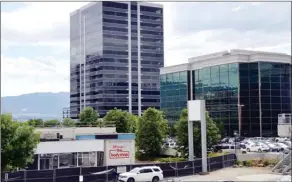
170 171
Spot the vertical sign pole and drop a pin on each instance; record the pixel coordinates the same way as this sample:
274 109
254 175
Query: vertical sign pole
191 140
203 137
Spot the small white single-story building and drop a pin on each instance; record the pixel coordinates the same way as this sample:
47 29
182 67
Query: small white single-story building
86 147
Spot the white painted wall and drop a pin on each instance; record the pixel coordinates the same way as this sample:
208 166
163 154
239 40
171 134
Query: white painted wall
69 146
119 152
284 130
70 133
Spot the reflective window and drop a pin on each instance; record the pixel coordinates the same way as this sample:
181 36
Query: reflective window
174 94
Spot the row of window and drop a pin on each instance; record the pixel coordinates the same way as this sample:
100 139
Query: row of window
135 15
133 6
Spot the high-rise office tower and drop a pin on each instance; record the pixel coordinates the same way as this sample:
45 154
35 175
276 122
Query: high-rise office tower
116 50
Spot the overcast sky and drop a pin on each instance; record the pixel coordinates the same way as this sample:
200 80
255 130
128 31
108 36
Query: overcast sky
35 37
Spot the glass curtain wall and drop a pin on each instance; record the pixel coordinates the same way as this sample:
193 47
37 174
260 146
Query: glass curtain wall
249 97
152 55
174 94
114 64
218 85
275 94
85 43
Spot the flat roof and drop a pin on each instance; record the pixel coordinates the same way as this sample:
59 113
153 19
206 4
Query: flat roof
156 5
228 57
233 52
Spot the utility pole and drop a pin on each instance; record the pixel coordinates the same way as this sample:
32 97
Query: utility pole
239 118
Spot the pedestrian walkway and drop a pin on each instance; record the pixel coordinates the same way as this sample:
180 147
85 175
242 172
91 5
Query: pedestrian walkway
236 174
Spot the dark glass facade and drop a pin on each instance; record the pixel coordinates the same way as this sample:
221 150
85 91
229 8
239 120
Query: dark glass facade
106 31
274 93
218 85
174 94
263 88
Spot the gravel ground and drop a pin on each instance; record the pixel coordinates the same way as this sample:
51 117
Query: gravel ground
236 174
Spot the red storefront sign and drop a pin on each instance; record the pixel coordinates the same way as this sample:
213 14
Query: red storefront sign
118 152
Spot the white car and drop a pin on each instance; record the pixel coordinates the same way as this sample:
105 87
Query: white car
280 139
147 173
282 146
259 147
170 145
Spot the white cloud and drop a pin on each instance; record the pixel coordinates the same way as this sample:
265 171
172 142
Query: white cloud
41 23
190 29
256 3
44 74
236 9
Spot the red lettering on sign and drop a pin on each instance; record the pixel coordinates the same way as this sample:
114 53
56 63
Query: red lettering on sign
116 146
118 154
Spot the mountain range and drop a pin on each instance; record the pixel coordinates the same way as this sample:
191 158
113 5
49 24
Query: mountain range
43 105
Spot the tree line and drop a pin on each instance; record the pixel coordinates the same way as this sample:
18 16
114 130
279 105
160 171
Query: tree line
19 139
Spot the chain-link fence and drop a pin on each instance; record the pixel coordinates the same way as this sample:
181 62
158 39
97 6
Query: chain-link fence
170 170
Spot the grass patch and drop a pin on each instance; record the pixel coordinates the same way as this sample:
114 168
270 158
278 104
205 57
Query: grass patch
169 159
217 154
258 163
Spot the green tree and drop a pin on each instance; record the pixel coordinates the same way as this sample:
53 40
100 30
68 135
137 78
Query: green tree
213 134
171 130
17 143
88 116
35 122
68 122
151 130
52 123
221 128
133 120
123 120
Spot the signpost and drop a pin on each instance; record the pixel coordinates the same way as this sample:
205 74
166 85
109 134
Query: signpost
197 112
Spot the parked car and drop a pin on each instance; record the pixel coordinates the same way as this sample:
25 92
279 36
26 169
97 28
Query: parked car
169 145
286 151
225 140
280 139
247 142
243 149
258 147
139 174
257 139
273 147
282 146
288 143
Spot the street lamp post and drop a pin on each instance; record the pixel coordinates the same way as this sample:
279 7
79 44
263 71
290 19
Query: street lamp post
239 118
235 135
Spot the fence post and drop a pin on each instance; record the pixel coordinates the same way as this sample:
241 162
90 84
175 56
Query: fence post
223 166
54 175
193 163
24 175
6 177
176 169
209 163
106 173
